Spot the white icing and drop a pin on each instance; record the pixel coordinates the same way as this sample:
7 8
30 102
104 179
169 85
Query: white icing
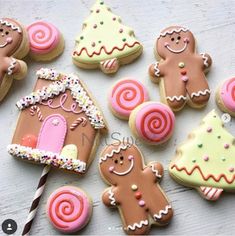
72 83
156 69
125 172
162 212
177 51
138 225
205 59
5 22
111 197
121 147
177 98
210 193
172 31
45 157
3 45
12 66
199 93
155 171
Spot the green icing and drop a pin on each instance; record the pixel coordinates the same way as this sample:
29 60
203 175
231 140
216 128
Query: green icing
220 159
106 30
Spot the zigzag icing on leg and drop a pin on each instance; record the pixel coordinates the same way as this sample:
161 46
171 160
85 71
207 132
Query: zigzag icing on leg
138 225
205 59
155 171
199 93
111 197
162 212
156 69
177 98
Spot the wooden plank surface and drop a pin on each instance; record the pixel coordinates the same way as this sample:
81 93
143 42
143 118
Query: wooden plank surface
213 24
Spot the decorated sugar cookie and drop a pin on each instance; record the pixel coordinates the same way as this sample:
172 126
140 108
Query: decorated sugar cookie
126 95
105 42
46 41
225 96
14 45
134 188
152 122
206 160
59 124
69 209
180 71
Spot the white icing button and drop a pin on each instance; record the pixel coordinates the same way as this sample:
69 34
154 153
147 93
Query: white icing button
55 122
134 187
181 65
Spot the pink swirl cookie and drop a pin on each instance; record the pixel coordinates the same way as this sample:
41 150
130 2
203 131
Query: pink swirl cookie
69 209
225 96
125 96
153 122
46 41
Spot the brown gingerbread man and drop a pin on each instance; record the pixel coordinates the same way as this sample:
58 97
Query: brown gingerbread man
13 44
134 188
180 70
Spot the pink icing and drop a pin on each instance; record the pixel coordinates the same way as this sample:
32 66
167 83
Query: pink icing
155 122
68 209
227 93
43 37
126 95
52 134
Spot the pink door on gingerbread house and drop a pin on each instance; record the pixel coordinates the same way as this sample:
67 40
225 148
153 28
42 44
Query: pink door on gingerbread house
52 133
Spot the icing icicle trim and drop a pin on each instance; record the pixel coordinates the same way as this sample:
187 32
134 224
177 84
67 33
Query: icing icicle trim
172 31
155 171
11 67
156 69
111 197
5 22
196 167
103 48
177 98
45 157
205 59
199 93
138 225
72 83
121 147
162 212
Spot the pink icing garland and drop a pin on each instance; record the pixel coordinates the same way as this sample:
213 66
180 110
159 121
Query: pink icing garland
155 122
68 209
126 95
43 37
227 93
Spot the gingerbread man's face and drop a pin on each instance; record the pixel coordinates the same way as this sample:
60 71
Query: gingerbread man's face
175 40
119 162
10 37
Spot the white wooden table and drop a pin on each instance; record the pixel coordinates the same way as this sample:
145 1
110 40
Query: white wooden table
212 22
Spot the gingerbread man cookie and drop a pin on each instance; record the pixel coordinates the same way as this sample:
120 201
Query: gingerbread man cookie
134 188
180 70
13 44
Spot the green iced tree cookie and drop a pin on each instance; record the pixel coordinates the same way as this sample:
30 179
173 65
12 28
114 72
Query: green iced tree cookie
105 42
206 161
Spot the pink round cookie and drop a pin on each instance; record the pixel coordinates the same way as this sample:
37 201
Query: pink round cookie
69 209
46 41
226 96
153 122
125 96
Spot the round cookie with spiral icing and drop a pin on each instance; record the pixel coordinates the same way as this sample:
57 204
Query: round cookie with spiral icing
225 96
46 41
125 96
69 209
152 122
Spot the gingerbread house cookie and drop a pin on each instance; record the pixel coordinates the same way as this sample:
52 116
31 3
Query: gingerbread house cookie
59 123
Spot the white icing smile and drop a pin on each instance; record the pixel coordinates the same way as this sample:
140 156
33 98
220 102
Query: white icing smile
176 51
3 45
127 171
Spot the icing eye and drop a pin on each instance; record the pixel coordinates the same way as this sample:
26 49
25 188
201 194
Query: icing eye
172 39
1 30
178 37
121 158
116 161
7 33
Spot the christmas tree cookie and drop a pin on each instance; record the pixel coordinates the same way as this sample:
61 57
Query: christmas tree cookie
206 161
105 42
